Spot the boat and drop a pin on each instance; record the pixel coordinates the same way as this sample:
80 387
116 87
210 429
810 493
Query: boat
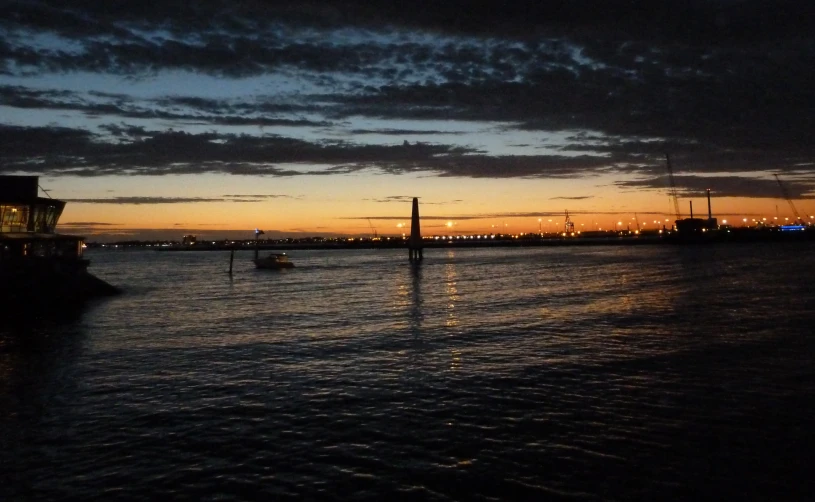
38 266
275 261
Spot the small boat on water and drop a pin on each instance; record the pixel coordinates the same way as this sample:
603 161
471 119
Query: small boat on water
274 261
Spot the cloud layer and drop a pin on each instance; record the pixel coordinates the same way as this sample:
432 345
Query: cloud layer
292 90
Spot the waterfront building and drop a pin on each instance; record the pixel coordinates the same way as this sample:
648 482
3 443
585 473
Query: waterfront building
36 263
28 223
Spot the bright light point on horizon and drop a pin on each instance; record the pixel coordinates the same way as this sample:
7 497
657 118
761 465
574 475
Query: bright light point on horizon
172 126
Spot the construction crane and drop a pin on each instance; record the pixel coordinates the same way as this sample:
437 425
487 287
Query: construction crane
789 199
637 220
372 228
673 186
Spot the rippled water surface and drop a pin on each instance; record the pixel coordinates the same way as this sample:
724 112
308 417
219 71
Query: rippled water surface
602 373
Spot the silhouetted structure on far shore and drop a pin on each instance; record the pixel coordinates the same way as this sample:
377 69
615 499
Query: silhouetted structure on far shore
415 243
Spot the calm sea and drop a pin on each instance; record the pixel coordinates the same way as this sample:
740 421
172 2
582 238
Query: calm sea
602 373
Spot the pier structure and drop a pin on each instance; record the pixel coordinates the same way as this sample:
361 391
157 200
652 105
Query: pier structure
41 271
415 242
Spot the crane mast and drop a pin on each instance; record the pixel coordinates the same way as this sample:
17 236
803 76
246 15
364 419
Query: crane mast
673 186
789 199
372 228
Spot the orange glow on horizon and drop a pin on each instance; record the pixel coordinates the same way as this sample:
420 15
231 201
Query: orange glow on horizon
345 210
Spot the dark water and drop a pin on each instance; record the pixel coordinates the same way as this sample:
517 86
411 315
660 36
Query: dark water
644 373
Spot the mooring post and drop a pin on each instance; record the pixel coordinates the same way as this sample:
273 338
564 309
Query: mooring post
415 242
231 259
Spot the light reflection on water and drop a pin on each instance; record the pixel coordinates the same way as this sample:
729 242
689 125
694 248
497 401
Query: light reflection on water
598 373
452 292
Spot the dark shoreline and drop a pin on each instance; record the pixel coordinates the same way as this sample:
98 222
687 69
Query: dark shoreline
740 236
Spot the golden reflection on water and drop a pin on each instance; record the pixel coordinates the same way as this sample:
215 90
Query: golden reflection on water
451 275
416 314
455 360
451 289
405 298
611 292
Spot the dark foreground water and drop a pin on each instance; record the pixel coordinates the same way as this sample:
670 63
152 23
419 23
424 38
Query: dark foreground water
610 373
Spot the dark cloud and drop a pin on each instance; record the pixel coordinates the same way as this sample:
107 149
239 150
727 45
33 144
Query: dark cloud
86 224
701 20
400 132
578 197
408 199
742 100
57 150
507 215
509 166
153 200
395 198
728 186
142 200
80 153
139 152
723 85
407 217
260 196
189 110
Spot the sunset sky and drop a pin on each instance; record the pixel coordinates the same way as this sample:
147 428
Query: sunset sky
164 118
